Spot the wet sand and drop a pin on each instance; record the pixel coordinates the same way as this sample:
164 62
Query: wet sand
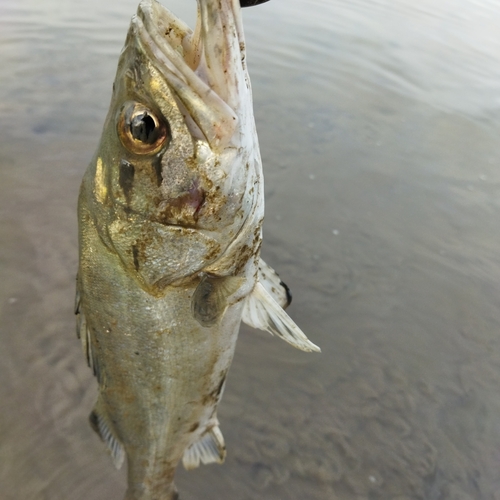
379 133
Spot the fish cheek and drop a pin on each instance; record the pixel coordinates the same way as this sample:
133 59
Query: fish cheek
136 183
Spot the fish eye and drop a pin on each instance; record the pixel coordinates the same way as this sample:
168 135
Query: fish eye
140 129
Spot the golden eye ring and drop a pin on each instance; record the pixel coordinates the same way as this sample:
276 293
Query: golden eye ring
140 130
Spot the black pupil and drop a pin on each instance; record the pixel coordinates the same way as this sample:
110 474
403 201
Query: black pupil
143 128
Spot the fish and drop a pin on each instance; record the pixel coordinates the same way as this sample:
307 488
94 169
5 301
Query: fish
170 216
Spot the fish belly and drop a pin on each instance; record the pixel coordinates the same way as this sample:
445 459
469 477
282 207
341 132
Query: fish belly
160 372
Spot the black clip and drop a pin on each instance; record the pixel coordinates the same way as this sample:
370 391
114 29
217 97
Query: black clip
251 3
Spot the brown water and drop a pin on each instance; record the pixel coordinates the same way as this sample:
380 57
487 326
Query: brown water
379 124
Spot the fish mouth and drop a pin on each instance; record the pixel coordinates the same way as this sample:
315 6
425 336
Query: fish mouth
206 68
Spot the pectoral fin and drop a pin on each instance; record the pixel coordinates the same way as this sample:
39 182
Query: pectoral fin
261 311
210 298
210 448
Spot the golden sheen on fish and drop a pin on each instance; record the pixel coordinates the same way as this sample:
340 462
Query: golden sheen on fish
170 228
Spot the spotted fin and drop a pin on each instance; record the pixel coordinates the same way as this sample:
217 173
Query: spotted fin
103 428
261 311
273 284
210 448
209 300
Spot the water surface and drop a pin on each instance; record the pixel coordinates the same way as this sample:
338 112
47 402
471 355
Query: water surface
379 127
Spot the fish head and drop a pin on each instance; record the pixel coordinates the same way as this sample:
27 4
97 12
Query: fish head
178 171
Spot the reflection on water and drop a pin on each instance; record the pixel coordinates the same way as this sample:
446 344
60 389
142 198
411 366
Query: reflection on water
379 129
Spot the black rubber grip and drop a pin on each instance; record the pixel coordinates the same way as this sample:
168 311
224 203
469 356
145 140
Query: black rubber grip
251 3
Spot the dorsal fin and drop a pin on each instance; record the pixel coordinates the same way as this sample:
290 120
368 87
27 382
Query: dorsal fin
83 333
261 311
210 448
273 284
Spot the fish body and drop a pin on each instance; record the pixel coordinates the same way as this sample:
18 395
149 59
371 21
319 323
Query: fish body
170 227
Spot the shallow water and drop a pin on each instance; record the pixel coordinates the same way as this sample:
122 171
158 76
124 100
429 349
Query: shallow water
379 124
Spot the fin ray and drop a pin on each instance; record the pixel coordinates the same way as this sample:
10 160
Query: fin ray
209 300
77 299
210 448
261 311
272 283
103 428
83 333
